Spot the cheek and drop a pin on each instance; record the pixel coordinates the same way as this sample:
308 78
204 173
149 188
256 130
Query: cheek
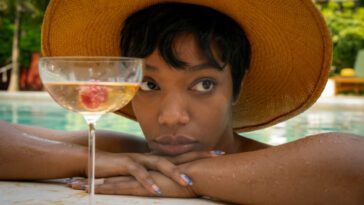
143 112
214 114
212 122
217 108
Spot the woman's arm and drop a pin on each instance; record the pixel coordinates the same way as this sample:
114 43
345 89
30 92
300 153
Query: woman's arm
27 156
322 169
28 153
108 141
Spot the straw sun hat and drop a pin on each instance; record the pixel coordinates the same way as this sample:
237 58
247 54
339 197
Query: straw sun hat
291 49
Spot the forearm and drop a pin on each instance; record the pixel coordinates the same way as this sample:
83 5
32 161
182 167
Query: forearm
316 170
25 156
108 141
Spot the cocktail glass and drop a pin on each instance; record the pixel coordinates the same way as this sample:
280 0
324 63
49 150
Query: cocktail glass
91 86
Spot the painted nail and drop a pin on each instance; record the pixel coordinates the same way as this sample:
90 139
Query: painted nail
156 189
187 179
69 180
217 152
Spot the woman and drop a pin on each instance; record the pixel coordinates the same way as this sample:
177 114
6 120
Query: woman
208 75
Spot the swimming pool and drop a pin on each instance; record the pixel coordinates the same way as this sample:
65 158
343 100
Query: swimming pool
339 114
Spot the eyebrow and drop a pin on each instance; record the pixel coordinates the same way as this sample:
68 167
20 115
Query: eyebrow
201 66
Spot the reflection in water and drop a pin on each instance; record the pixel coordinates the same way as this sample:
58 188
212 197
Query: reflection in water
327 118
312 122
14 114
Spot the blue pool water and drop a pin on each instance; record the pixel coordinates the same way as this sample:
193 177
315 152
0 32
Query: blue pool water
332 114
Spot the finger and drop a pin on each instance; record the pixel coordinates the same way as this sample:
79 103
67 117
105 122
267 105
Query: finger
164 166
82 183
118 179
72 180
143 176
169 169
192 156
78 185
131 187
110 180
68 181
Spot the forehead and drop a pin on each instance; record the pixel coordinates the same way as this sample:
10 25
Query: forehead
186 49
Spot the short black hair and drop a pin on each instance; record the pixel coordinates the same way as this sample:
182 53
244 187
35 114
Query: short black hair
157 26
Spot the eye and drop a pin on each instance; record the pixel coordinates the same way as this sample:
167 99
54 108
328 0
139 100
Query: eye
148 85
204 86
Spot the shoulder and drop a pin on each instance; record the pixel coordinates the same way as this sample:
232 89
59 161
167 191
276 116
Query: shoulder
330 139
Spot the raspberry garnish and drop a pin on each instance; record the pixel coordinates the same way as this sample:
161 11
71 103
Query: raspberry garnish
92 96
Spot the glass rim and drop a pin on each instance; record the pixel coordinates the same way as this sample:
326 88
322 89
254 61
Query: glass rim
89 58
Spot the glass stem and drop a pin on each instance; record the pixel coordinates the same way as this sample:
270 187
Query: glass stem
91 162
91 121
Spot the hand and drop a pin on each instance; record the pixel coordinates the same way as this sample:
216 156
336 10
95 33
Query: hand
127 185
137 165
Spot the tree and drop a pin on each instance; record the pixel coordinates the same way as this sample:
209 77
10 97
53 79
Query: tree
20 25
346 23
14 79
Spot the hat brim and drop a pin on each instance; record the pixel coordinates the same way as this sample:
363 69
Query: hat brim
290 42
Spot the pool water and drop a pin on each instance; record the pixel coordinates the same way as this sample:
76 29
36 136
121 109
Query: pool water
340 114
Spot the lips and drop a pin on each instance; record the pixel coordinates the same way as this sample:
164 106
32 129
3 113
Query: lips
175 145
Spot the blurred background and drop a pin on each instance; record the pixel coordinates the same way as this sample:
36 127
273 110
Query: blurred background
20 26
20 33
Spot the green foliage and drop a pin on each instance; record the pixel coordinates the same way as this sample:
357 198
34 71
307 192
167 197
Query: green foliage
29 41
6 37
346 23
31 20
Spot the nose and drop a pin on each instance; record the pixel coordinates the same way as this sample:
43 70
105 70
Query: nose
173 111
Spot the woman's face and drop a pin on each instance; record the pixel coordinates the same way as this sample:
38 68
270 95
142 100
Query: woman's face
187 109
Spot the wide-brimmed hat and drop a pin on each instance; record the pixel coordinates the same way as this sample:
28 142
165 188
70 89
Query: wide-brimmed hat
290 43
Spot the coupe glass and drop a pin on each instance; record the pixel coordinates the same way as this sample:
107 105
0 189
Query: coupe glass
91 86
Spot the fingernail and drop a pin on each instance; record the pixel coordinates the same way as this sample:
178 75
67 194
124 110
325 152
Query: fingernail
187 179
156 189
217 152
69 180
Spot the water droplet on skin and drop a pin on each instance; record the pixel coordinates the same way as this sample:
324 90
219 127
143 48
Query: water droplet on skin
219 178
